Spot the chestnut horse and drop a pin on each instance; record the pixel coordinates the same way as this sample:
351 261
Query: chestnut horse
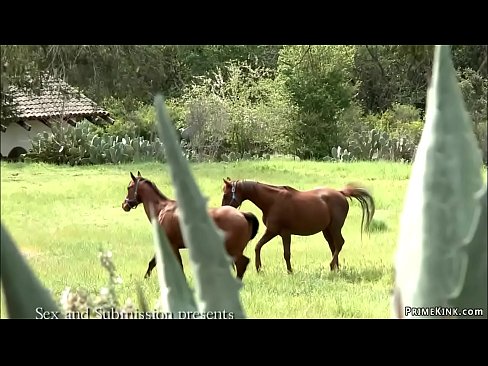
239 227
287 211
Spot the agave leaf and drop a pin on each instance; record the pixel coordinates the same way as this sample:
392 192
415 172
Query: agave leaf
25 296
216 289
176 296
472 287
440 203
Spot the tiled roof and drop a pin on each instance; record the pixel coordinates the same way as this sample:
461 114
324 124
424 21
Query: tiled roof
56 99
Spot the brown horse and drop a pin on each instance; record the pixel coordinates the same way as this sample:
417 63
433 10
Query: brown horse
287 211
239 227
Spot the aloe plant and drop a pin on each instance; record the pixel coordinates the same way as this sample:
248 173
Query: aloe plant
441 261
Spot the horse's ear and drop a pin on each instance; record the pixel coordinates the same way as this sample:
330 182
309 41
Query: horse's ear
226 181
132 176
138 173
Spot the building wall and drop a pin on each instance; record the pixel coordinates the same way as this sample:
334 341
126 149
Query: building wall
16 135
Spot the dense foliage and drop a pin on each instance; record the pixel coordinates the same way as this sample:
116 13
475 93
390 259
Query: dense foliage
236 101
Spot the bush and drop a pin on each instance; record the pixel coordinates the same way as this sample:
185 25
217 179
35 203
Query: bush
308 136
206 123
138 122
318 80
398 121
351 120
475 91
238 109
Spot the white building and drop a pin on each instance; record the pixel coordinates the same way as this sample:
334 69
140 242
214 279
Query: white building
32 114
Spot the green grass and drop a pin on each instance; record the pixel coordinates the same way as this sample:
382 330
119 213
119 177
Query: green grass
61 216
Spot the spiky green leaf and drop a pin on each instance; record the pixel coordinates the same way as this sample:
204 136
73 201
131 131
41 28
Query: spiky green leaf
440 204
473 286
25 296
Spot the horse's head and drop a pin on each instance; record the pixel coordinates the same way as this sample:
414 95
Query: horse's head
231 193
132 199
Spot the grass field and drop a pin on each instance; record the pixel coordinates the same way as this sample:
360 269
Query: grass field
61 216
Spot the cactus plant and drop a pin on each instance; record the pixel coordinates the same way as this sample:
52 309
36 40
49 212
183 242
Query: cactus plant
334 152
81 145
373 145
441 260
232 156
339 154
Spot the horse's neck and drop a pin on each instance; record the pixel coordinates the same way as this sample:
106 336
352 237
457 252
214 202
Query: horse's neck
152 200
257 194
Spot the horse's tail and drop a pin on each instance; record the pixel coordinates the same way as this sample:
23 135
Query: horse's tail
366 201
253 221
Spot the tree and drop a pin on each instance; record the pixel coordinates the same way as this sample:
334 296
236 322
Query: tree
319 81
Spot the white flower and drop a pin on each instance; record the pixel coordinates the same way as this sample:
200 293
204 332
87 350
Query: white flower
65 298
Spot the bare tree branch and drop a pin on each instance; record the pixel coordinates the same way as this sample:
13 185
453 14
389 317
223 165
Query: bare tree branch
483 64
375 59
301 58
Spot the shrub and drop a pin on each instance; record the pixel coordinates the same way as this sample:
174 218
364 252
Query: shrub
136 122
237 109
475 92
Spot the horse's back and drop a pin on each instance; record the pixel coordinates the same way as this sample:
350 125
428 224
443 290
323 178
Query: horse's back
290 189
228 215
223 216
317 195
333 198
303 212
227 218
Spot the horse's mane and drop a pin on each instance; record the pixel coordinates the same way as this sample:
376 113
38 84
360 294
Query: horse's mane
156 189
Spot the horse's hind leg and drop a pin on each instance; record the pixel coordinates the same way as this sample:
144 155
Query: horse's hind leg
330 240
241 265
268 235
178 258
335 233
150 267
287 251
